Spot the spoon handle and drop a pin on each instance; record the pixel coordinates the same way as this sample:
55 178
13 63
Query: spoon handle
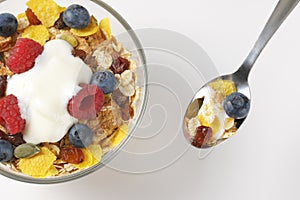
282 10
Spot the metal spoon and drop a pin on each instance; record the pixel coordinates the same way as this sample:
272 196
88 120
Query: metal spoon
206 138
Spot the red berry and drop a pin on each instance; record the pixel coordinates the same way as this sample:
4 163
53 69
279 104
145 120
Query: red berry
203 135
86 103
10 115
23 54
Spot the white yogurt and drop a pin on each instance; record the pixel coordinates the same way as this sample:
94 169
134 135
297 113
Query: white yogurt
46 89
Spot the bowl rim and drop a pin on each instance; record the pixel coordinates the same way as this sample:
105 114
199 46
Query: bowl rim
111 154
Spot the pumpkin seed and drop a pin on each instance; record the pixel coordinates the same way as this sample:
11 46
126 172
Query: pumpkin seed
26 150
68 38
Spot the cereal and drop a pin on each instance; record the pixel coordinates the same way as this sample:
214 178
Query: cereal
228 123
105 26
40 165
99 50
119 135
5 43
225 86
88 160
127 85
96 151
91 29
39 33
47 11
214 125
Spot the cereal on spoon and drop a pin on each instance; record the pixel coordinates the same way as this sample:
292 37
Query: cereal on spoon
91 116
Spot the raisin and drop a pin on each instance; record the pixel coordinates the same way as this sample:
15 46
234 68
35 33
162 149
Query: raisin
119 65
203 135
79 53
119 98
32 18
3 84
71 154
16 139
60 24
2 58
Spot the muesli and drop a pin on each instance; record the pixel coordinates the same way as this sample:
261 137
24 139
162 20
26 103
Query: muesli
67 89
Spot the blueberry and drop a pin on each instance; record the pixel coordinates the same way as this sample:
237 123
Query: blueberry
8 24
76 16
6 151
80 135
105 80
236 105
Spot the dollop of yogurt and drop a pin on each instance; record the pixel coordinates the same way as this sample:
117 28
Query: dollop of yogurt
45 90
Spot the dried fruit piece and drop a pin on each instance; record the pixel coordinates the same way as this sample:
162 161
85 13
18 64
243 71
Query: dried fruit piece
119 135
225 86
22 56
60 24
10 115
46 11
91 29
87 102
71 154
202 137
38 33
40 165
26 150
105 26
15 140
79 53
68 38
3 84
119 98
119 65
32 18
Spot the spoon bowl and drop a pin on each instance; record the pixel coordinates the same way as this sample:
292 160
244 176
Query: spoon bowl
208 120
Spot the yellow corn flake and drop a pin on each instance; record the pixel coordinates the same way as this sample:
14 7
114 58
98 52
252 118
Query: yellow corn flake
225 86
96 151
215 125
119 135
40 165
91 29
228 123
20 16
105 26
47 11
38 33
88 160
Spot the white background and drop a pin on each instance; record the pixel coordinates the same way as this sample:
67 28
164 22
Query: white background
263 161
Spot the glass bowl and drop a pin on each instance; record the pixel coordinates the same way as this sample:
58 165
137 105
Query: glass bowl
124 34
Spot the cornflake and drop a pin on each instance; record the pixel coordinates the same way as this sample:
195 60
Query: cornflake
47 11
39 166
38 33
91 29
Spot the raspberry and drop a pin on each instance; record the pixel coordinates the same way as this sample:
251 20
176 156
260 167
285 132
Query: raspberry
22 56
86 103
10 115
